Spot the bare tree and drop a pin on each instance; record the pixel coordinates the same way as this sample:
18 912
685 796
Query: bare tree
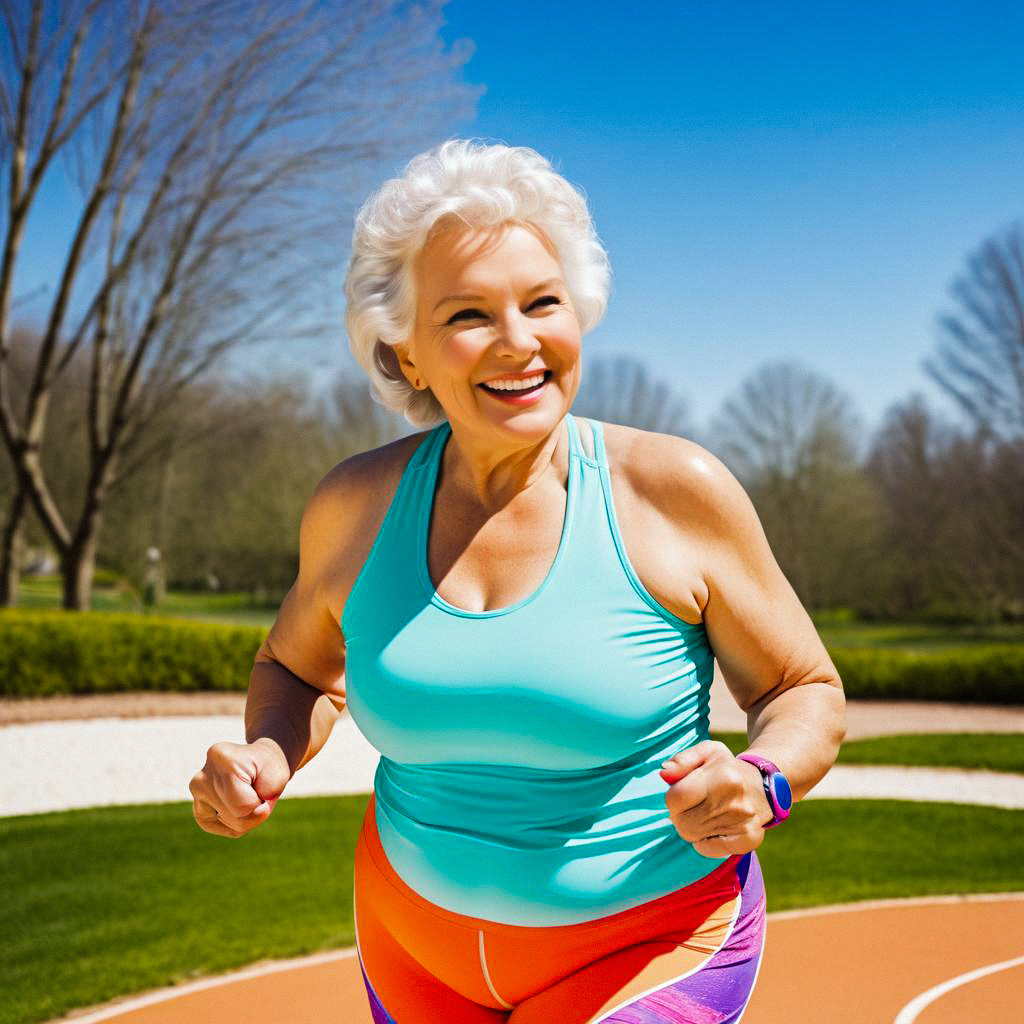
908 460
791 437
219 145
980 362
621 389
356 421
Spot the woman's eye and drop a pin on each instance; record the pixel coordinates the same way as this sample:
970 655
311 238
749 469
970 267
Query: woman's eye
476 312
456 316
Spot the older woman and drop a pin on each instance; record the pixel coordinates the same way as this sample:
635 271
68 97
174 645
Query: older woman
521 610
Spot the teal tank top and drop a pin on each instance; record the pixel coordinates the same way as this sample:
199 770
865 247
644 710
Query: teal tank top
520 747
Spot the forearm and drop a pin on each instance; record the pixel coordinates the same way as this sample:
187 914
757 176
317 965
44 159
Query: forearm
801 731
285 709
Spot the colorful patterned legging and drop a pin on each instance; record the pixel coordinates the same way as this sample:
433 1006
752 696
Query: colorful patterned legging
690 957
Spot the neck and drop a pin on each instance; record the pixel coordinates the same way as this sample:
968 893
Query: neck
491 477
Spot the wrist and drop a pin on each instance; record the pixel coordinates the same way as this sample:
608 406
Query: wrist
775 786
274 745
766 811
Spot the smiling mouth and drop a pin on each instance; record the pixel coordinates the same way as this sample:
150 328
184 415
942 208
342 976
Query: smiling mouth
518 391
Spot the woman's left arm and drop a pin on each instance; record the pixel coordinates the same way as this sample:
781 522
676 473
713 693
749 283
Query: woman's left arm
770 656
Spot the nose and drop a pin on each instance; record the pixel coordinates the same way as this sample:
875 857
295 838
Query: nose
515 333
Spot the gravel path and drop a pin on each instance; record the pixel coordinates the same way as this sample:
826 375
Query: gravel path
49 766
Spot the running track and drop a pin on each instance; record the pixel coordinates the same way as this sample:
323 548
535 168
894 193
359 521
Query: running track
944 960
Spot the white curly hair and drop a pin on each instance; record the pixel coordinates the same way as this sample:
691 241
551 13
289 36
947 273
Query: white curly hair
484 186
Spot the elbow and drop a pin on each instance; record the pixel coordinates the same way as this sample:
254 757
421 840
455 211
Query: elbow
839 714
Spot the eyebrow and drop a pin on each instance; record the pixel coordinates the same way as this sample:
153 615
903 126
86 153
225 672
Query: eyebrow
476 298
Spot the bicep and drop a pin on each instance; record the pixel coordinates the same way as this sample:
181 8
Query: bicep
762 636
305 637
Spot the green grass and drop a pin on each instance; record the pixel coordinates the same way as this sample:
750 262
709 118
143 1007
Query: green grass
915 637
230 609
998 752
106 902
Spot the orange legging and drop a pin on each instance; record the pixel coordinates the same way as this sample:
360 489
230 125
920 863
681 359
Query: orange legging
690 957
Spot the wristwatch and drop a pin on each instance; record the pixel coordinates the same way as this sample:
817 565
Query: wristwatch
776 788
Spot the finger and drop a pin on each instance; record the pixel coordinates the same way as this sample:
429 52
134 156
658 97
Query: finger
723 845
241 822
208 820
685 761
691 794
235 793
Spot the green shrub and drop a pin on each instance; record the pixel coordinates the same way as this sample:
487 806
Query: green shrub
982 674
44 653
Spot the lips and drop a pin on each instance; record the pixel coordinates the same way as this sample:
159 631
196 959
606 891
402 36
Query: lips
518 377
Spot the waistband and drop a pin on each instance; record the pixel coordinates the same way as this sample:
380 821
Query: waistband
696 899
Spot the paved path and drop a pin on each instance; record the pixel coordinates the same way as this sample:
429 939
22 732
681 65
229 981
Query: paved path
48 766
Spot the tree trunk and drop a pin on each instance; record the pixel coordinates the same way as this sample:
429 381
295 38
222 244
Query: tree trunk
11 553
78 566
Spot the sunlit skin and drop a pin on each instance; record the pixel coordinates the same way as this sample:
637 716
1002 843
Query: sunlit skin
522 318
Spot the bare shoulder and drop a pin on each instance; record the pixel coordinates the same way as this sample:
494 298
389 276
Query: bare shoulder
359 480
345 511
339 524
678 477
656 481
763 638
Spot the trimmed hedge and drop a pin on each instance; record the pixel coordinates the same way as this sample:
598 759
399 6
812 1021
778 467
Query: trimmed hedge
45 653
979 674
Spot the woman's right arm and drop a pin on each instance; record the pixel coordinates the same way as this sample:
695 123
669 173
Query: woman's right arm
296 689
297 686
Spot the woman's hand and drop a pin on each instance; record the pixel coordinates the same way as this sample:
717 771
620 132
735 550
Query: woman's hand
238 786
715 800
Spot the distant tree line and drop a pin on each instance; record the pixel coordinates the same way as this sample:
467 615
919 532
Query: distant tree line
922 518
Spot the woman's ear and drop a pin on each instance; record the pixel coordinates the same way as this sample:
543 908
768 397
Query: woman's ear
395 362
405 365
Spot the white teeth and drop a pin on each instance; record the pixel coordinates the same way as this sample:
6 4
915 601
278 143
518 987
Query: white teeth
518 385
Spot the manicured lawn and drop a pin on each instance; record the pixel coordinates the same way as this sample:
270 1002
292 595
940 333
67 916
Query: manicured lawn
917 638
103 903
231 609
997 752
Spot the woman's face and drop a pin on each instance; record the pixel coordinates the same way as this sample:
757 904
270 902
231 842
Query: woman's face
490 303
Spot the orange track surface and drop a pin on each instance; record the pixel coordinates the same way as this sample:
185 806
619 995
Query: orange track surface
859 964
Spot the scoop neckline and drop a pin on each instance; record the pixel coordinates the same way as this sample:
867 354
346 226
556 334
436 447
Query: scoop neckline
433 471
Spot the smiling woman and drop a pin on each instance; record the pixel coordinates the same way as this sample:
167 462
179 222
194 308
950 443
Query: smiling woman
518 861
461 183
522 604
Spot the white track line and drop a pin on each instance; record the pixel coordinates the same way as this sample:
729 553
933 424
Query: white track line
899 901
910 1012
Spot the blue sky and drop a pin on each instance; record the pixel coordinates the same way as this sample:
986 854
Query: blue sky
771 180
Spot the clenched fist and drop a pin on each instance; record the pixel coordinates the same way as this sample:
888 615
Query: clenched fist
715 800
238 786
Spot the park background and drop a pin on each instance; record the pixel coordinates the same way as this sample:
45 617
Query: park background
815 220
